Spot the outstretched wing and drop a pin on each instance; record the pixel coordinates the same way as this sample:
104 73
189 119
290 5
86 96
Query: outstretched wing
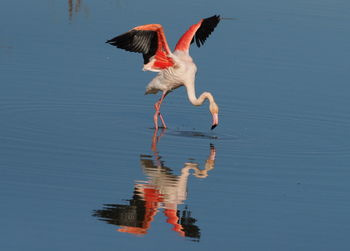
198 32
150 41
205 29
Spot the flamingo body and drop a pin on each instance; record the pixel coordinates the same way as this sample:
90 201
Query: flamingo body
173 77
174 69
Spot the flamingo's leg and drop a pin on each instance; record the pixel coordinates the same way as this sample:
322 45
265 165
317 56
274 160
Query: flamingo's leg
161 118
157 107
155 116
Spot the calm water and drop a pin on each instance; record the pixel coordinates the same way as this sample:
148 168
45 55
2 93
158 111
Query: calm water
81 167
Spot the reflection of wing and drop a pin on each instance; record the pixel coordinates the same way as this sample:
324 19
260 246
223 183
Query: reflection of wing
188 227
134 218
149 40
132 215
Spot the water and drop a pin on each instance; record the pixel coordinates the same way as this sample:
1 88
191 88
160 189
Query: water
79 155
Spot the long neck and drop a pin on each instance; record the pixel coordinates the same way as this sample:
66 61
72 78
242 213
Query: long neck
191 92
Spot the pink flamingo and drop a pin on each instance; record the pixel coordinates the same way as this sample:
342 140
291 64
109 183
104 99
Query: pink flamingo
174 69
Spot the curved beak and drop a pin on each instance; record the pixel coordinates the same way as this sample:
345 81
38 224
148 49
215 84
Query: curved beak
215 120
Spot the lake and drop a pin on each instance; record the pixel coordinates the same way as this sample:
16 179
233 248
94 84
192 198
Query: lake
83 168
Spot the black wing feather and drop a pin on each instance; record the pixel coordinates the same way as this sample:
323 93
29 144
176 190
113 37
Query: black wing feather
207 27
141 41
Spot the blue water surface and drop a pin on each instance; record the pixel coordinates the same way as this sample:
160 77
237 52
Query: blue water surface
81 167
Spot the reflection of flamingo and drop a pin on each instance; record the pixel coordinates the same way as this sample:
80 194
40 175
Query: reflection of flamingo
175 69
163 190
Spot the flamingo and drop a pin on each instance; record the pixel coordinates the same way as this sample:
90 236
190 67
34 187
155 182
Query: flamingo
175 68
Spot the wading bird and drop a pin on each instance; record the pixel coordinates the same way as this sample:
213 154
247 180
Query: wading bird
174 69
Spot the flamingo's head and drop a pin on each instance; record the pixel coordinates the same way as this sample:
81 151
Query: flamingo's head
214 110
